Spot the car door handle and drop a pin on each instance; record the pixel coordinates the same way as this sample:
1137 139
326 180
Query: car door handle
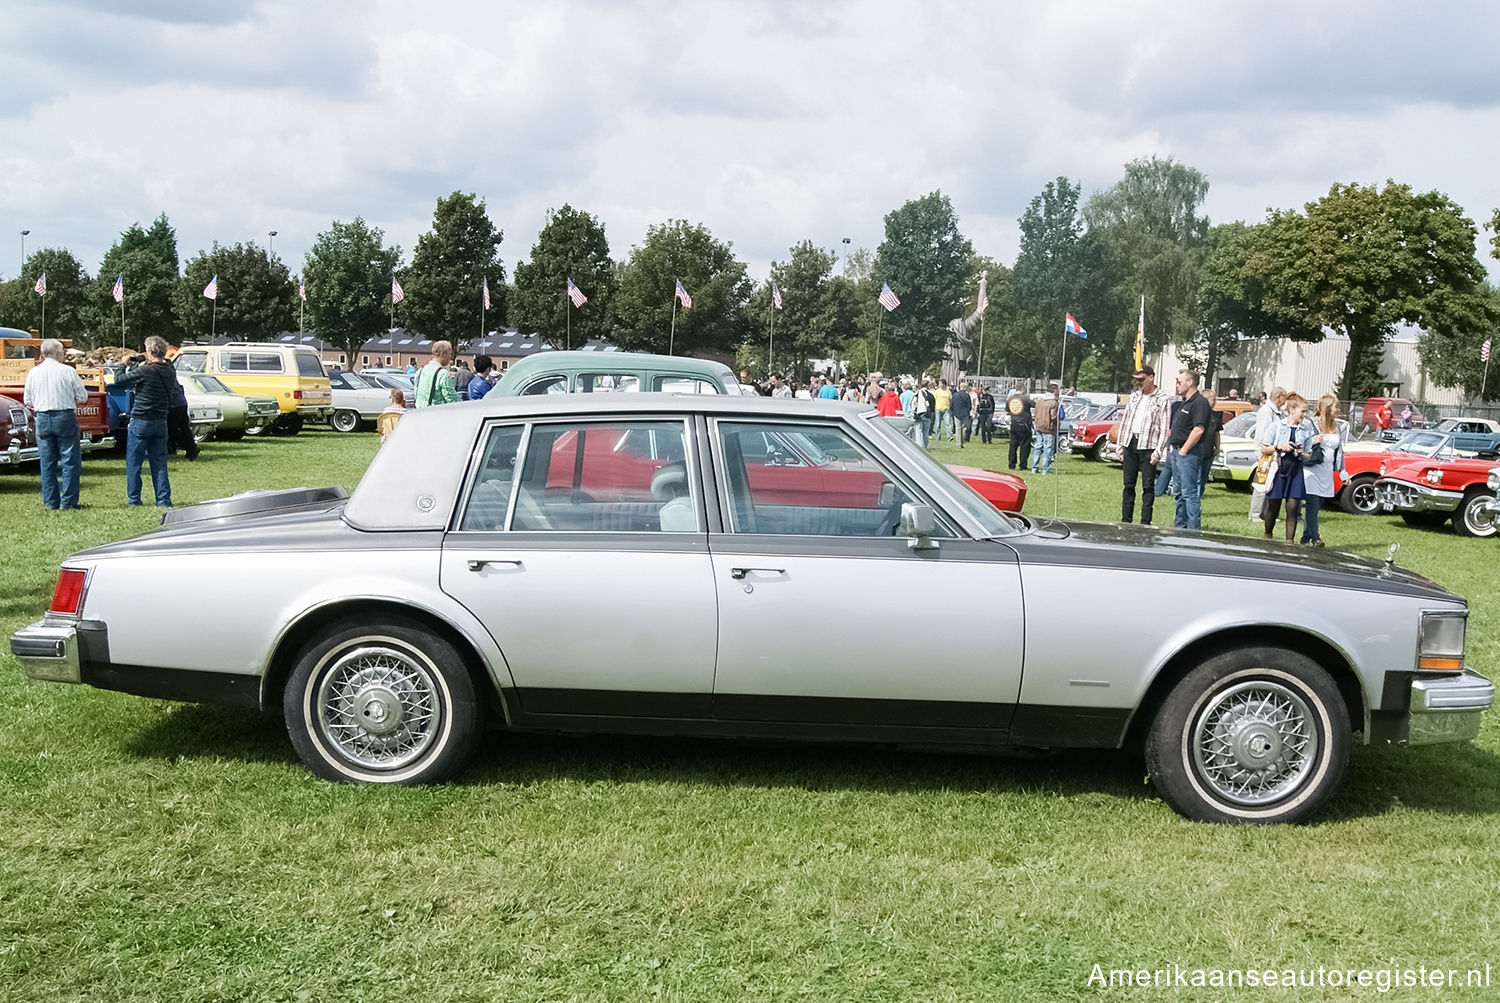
478 563
742 572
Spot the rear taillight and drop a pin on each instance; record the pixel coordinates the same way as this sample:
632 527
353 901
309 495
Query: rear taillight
67 598
296 395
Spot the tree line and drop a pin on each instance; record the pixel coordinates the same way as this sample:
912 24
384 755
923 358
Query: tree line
1360 261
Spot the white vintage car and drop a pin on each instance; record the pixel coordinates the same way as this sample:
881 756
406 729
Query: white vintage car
673 564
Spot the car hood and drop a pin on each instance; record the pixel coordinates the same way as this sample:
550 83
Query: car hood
1151 548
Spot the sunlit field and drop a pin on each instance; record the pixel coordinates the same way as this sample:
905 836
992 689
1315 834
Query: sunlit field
162 851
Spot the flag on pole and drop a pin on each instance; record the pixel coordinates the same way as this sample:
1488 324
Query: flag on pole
486 291
41 285
397 294
1140 337
984 299
579 299
211 291
302 288
682 294
1484 353
119 290
775 295
1071 326
887 298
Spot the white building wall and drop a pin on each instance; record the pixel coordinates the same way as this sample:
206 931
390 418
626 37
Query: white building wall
1315 368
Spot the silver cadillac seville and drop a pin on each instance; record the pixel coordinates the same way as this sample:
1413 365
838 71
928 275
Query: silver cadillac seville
671 564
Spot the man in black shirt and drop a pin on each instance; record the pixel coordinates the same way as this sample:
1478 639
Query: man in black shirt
153 382
1018 406
1189 425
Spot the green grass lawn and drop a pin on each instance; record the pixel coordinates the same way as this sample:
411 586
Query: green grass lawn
156 851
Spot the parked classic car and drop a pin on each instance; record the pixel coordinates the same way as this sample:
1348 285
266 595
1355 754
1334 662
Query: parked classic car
17 433
355 400
1430 491
291 375
392 381
584 372
1364 463
240 415
501 563
1090 433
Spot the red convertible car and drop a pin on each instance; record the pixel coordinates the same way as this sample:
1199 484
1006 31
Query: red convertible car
1431 491
1357 494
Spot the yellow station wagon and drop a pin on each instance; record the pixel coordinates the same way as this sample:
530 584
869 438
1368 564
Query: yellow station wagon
293 376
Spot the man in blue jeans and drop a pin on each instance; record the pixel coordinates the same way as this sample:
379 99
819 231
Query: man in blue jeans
1189 425
54 391
152 381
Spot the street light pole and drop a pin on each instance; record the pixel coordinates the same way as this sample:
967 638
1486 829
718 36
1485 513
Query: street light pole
23 250
846 257
271 244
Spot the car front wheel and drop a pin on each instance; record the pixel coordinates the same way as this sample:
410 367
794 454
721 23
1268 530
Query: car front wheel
387 704
345 421
1474 517
1256 735
1359 497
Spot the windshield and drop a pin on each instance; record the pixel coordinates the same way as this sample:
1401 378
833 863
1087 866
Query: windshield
355 382
1419 444
974 504
1243 425
211 385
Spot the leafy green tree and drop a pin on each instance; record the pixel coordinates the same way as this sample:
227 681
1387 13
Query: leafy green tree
348 277
1050 281
1231 301
925 261
572 245
146 261
1360 260
256 295
1452 358
817 316
448 269
716 281
1149 237
69 296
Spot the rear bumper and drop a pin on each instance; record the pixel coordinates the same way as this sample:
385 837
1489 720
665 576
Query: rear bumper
49 651
1404 496
1448 708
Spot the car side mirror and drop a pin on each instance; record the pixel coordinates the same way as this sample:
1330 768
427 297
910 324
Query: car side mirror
917 522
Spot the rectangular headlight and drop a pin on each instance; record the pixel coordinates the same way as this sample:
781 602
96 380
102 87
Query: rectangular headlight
1441 648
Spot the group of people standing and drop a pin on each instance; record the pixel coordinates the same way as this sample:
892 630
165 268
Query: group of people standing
1300 452
1168 444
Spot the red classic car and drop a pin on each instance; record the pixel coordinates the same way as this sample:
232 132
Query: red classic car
1357 496
1429 492
1089 435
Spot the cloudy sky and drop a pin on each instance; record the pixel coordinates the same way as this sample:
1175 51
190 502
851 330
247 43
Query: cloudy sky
768 122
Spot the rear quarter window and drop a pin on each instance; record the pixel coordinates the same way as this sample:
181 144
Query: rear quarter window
308 364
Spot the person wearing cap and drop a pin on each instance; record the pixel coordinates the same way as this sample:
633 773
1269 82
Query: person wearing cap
1143 433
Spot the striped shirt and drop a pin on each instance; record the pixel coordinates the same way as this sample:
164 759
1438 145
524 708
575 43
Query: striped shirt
52 386
1145 418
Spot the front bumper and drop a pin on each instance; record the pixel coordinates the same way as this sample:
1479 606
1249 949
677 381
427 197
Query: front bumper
16 455
48 650
1393 495
1448 708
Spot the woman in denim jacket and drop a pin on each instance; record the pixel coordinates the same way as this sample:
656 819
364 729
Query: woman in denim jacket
1291 441
1317 480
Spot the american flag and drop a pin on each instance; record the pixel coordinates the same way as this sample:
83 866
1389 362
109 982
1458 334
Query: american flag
41 285
984 299
211 291
682 294
302 288
486 290
576 295
776 295
397 295
1484 353
119 290
887 298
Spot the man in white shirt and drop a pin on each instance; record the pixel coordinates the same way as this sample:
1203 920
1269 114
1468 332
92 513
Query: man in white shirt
54 392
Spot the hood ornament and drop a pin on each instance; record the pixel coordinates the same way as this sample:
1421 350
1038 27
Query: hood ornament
1390 556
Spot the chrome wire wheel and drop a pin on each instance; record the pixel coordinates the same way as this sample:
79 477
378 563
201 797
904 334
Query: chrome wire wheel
378 707
1254 742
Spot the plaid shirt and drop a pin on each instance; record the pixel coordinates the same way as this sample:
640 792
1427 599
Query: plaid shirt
1159 404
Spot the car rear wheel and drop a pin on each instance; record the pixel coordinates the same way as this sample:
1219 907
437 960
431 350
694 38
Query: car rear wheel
388 704
1473 517
345 421
287 424
1359 497
1257 735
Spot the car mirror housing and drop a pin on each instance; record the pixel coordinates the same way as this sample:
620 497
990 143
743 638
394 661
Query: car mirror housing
917 522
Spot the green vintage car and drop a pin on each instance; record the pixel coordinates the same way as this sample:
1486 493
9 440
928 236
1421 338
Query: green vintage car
242 413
